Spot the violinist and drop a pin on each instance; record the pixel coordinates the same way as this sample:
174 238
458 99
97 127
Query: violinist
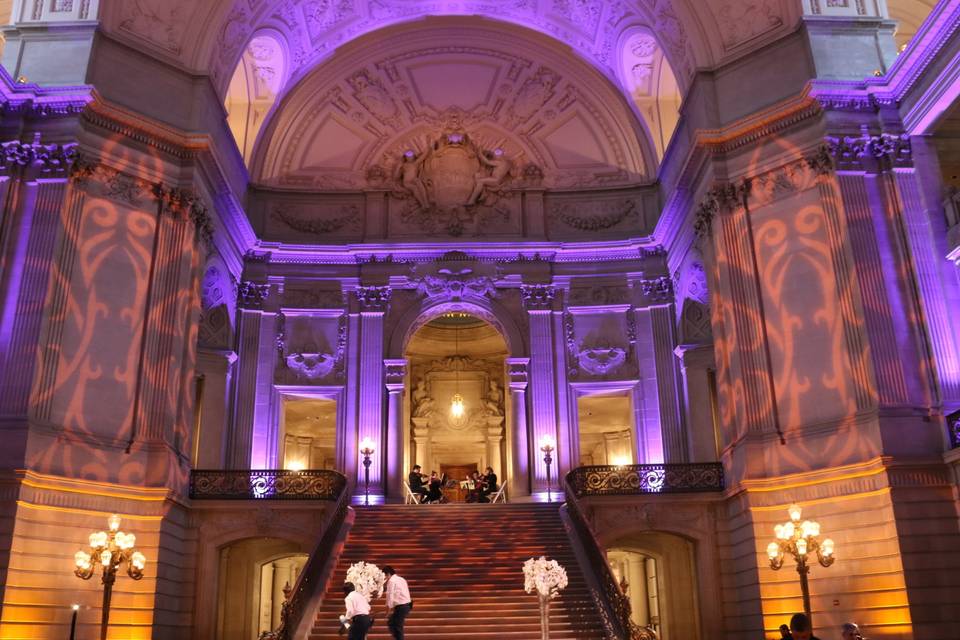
475 486
489 484
435 486
416 480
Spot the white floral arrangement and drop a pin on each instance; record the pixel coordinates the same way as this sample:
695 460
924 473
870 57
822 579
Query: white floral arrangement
545 577
367 579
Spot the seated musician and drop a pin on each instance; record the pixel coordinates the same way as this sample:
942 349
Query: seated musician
434 488
489 484
475 487
415 480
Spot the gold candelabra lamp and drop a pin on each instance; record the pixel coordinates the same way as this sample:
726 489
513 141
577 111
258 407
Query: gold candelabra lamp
799 539
109 551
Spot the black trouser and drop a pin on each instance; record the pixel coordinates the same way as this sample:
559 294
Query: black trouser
397 618
359 626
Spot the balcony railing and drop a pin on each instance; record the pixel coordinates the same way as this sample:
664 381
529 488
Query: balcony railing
266 484
953 429
635 479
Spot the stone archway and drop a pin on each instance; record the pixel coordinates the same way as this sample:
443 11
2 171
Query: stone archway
456 354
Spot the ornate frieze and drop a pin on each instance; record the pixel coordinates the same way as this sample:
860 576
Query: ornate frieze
517 372
308 362
374 298
251 295
598 296
456 285
868 152
296 298
537 297
601 355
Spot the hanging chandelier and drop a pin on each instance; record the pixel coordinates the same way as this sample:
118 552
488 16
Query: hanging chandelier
456 402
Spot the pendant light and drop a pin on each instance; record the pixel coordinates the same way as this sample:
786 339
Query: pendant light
456 402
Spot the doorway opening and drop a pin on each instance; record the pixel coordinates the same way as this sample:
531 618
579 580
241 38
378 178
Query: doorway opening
657 572
308 428
606 429
457 358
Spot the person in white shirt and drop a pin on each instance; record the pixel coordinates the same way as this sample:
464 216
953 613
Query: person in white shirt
399 603
358 612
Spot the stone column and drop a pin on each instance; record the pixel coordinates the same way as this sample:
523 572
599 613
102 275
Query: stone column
696 361
538 300
33 223
520 452
421 440
395 373
374 302
216 366
250 299
494 439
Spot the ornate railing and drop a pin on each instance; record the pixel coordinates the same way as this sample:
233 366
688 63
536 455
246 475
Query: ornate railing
313 576
633 479
953 429
266 484
613 604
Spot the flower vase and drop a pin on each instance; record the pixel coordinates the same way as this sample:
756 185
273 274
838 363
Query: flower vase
544 617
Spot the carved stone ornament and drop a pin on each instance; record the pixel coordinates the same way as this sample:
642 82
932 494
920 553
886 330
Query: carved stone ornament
48 158
452 184
657 289
595 217
294 298
347 218
456 285
601 360
538 296
724 198
311 366
394 372
374 298
181 202
251 295
597 296
871 152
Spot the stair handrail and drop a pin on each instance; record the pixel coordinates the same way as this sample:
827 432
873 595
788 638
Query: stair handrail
614 603
310 582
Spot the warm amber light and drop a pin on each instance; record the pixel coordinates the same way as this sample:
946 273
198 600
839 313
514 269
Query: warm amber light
547 444
621 460
367 447
794 510
296 466
456 406
773 550
114 522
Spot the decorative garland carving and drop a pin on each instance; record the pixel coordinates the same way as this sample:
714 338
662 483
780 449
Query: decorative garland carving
349 217
456 285
612 214
871 152
48 158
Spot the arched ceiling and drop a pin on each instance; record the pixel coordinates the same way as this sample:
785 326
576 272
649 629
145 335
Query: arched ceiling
208 36
400 91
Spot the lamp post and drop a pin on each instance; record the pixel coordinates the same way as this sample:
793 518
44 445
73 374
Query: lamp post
73 621
799 539
367 449
547 446
111 550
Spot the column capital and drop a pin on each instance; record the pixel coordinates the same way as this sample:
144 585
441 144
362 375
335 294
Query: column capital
251 295
517 373
538 297
698 356
394 374
374 298
871 152
724 198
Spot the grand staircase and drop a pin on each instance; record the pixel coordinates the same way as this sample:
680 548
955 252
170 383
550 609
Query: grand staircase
464 566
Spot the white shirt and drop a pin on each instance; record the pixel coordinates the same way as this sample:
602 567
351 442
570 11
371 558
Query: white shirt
397 592
357 605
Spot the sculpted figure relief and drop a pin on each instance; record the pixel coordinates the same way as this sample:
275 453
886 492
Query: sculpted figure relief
455 182
423 404
493 405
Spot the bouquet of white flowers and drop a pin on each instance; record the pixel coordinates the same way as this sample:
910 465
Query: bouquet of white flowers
367 579
545 577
